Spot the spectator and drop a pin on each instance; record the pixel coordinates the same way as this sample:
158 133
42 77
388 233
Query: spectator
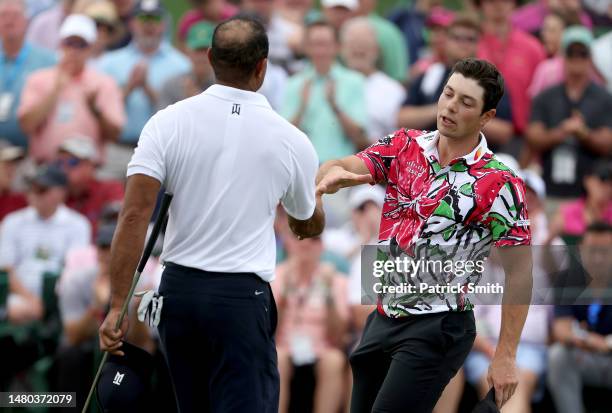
393 51
573 218
214 11
515 53
421 104
384 95
412 23
10 201
122 33
437 26
285 37
86 194
18 58
570 125
551 71
337 12
70 98
297 12
581 354
201 75
600 11
105 16
552 31
326 100
83 302
44 29
603 58
141 68
366 205
313 316
530 17
34 240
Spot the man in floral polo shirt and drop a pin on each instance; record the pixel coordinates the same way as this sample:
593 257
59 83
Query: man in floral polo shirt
444 189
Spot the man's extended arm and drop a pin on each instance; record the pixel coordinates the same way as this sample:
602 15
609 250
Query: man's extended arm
517 265
312 226
140 197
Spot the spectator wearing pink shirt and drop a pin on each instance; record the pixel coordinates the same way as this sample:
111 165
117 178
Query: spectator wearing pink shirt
530 17
313 313
70 98
214 11
573 218
515 53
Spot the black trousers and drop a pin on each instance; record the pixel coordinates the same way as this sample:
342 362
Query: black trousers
217 334
403 365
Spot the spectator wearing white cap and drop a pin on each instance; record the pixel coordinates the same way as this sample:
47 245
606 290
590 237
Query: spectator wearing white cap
18 59
70 98
86 194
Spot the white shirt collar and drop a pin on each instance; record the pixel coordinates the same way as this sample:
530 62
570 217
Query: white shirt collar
237 95
429 143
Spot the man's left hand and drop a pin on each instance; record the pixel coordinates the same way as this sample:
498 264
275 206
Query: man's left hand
503 376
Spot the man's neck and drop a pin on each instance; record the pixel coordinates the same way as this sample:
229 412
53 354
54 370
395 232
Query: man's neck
323 70
449 149
12 46
575 86
203 78
249 86
47 214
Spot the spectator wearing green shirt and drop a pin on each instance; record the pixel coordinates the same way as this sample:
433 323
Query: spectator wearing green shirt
327 100
393 57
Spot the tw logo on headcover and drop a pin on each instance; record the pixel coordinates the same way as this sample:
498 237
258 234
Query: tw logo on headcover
118 378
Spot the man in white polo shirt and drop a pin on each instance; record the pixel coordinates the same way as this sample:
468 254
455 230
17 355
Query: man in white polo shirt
229 159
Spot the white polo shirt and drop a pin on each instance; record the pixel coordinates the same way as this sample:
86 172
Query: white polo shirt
229 159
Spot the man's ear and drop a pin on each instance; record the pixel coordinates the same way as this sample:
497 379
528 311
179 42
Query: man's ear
487 116
261 67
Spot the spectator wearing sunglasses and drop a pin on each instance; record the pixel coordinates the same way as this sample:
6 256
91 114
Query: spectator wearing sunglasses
141 68
570 125
86 194
70 98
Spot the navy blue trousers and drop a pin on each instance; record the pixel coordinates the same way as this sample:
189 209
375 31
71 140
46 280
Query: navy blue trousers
217 334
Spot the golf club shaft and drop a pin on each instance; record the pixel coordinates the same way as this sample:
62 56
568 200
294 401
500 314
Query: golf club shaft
163 210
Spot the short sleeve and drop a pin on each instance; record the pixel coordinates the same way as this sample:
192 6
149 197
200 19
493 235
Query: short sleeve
8 243
538 109
378 156
507 218
299 199
149 155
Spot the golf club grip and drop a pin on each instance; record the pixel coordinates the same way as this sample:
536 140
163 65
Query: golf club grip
159 221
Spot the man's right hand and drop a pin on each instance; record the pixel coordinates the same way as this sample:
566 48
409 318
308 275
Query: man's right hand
337 178
110 339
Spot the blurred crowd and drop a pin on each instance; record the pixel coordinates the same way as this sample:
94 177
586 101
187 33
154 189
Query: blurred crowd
80 78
